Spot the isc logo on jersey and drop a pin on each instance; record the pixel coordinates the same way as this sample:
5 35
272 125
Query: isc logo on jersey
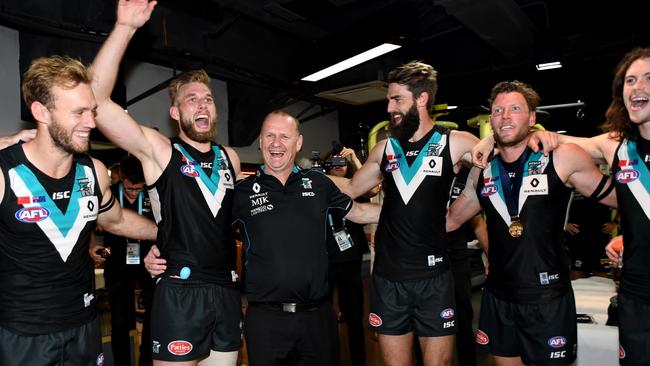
31 215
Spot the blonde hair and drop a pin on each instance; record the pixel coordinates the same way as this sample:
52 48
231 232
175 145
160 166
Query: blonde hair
46 72
193 76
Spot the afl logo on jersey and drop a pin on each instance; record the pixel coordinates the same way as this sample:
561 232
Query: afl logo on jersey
447 313
557 342
189 171
489 190
31 215
627 175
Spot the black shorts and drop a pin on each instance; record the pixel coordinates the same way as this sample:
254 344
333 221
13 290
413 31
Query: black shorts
274 337
633 331
190 317
541 333
77 346
426 307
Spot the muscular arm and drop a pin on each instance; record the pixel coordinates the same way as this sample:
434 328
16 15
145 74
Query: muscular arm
479 226
460 146
120 221
364 213
466 205
365 178
575 167
144 143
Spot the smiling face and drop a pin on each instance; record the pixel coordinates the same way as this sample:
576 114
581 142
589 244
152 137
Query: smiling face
511 119
636 91
280 141
196 112
403 110
71 118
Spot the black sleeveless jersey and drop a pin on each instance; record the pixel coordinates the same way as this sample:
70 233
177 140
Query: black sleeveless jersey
411 241
632 179
192 203
534 266
284 232
45 225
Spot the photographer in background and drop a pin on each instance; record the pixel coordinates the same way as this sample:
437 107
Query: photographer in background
346 243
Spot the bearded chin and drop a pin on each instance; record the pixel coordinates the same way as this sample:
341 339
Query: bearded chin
408 126
200 137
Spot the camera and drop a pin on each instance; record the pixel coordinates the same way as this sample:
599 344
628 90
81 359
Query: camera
103 252
333 161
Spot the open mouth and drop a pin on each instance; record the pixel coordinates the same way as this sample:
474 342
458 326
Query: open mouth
84 135
638 103
202 121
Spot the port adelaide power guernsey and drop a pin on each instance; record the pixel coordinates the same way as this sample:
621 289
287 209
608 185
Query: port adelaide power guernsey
632 179
45 226
284 230
192 203
411 237
530 265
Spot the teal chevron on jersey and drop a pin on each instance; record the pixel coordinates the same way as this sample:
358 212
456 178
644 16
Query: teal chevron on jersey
630 160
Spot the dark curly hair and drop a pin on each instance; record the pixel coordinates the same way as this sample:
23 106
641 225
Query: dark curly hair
618 122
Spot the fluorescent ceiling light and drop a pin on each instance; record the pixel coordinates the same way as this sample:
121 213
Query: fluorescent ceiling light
548 66
352 61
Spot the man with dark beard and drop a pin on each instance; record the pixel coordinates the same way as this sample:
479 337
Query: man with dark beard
51 196
196 307
412 290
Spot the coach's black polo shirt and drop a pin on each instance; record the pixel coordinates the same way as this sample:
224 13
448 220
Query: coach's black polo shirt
284 231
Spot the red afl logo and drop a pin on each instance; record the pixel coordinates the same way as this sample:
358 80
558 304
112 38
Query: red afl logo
621 352
179 348
374 320
482 338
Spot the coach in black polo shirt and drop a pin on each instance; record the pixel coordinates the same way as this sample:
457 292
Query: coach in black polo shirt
281 212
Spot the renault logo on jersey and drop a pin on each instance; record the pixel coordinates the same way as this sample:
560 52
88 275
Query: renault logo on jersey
256 188
534 182
432 163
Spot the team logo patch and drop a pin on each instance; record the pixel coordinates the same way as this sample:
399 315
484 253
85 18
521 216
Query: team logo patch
557 342
306 183
180 347
447 313
393 163
627 175
100 359
188 170
30 215
482 338
621 352
374 320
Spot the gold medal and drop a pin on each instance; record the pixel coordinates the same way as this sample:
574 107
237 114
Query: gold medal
515 229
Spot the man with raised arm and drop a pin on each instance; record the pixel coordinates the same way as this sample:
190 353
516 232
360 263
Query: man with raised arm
528 309
196 307
51 195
